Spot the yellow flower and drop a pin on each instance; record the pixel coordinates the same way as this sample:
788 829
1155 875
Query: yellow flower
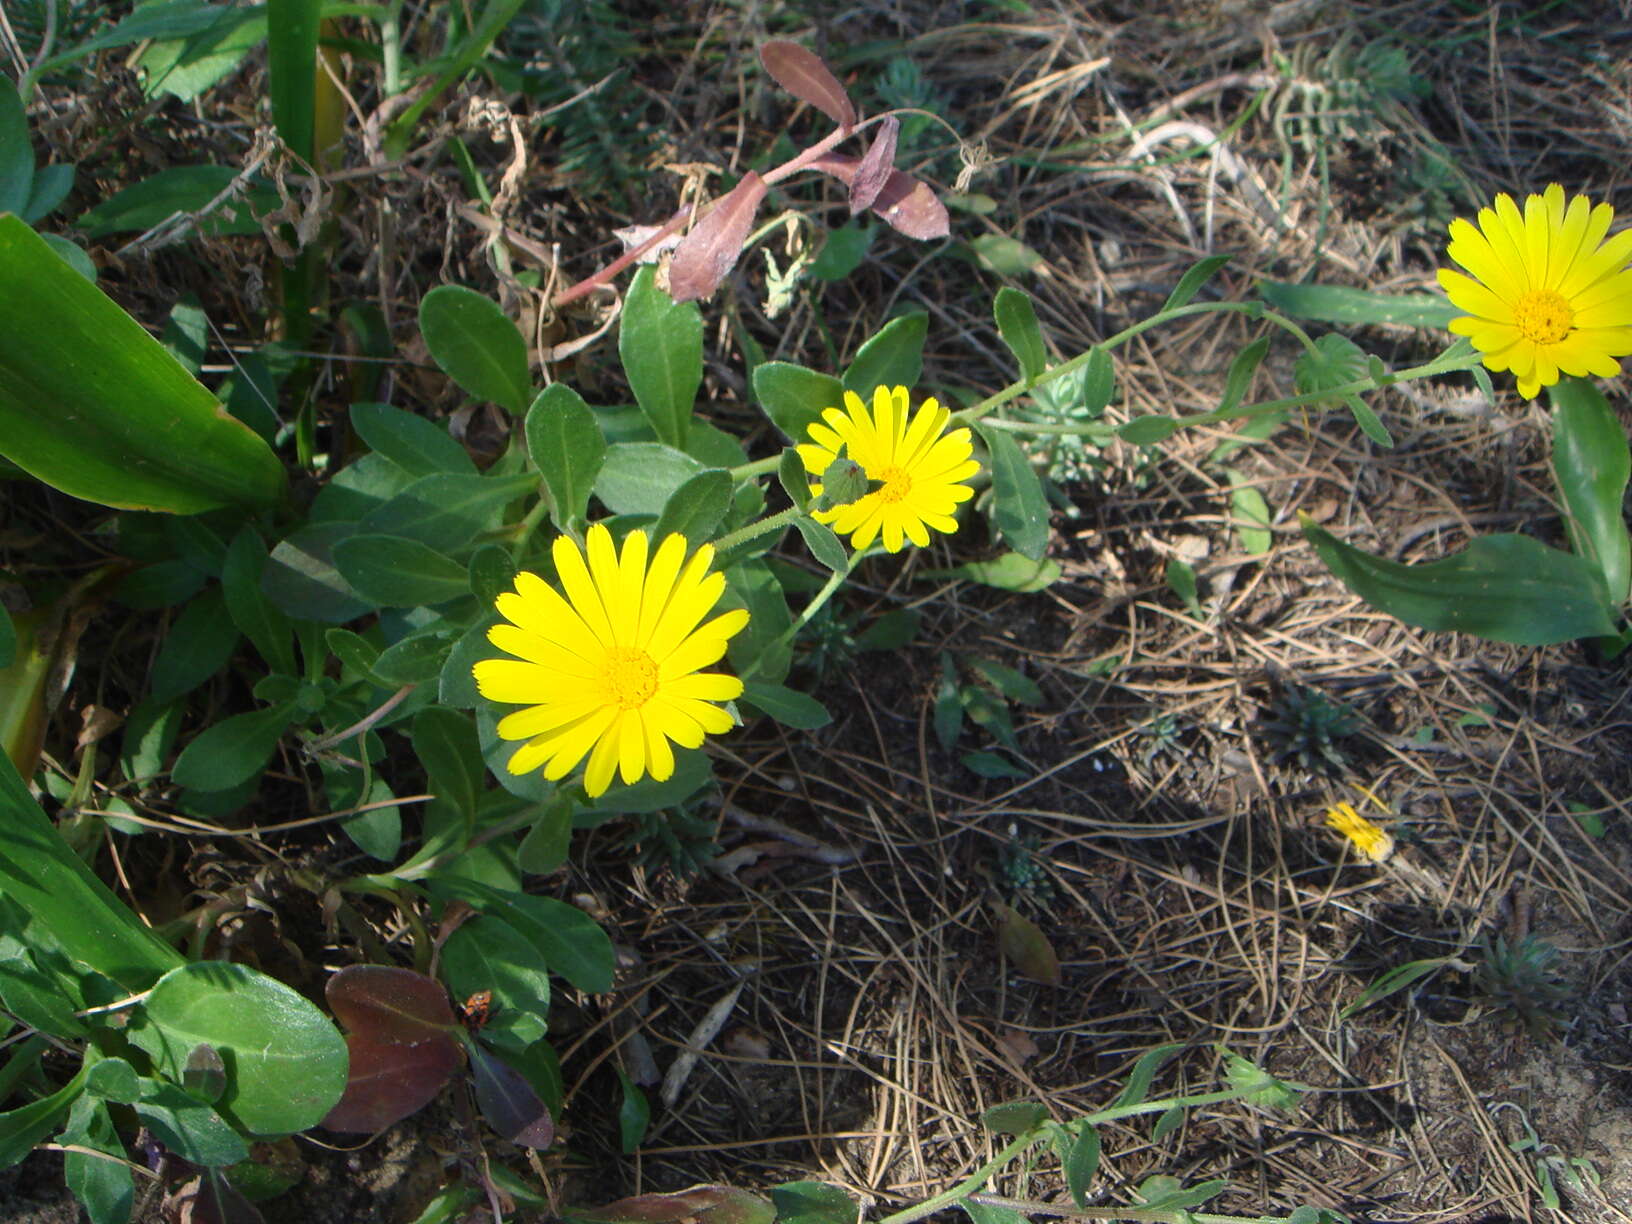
920 467
1548 294
1370 840
613 670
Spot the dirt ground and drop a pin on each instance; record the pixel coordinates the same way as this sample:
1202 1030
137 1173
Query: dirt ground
1173 856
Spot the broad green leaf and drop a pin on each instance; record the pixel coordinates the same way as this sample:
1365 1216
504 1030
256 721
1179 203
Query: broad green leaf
1242 369
1020 509
286 1063
197 646
16 153
182 191
1017 323
697 507
34 996
794 397
661 346
1506 588
457 685
809 1202
1098 382
398 573
1014 1117
415 659
1197 275
105 1188
788 706
93 405
233 750
300 578
1014 685
1251 514
291 62
823 544
113 1079
1394 981
1169 1194
893 357
567 447
22 1128
987 1213
492 573
794 479
448 511
165 19
413 443
72 255
843 251
41 874
187 67
1592 463
752 585
1336 304
249 609
476 345
1257 1085
376 832
573 944
445 743
1181 580
546 845
1004 255
640 477
188 1127
51 187
1009 572
487 953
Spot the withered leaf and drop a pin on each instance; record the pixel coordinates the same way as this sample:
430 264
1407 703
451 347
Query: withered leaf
875 167
905 203
1026 947
705 255
802 73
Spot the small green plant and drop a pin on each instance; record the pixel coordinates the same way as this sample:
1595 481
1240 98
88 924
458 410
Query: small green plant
1021 872
1518 980
1305 724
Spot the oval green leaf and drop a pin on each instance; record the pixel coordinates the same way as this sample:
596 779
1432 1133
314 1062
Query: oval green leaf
476 345
567 447
894 357
794 397
661 346
1017 324
1592 463
399 573
1020 509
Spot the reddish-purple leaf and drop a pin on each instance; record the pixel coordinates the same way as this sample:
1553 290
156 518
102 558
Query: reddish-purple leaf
704 1204
390 1080
509 1103
711 249
803 74
905 203
389 1005
875 167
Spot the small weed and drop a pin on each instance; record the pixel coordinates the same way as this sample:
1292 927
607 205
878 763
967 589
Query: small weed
1517 979
1021 871
1306 724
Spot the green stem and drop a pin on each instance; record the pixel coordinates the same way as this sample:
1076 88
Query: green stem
391 47
753 531
1155 1215
964 1188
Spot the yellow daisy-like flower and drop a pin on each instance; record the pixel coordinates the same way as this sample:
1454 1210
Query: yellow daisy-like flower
1548 294
612 671
920 467
1370 840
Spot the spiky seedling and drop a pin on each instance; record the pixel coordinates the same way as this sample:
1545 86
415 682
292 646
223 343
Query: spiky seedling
1518 979
1306 724
1023 874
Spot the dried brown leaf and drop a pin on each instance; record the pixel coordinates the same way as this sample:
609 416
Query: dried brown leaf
905 203
705 255
802 73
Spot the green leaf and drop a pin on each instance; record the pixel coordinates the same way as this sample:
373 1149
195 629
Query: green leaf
1004 255
51 187
1242 369
113 1079
445 743
640 477
397 573
233 750
567 447
795 481
1592 464
1170 1120
1247 506
1020 509
291 62
71 254
1165 1193
546 845
986 1213
416 659
476 345
1257 1085
34 996
8 638
1335 304
789 707
197 646
93 405
697 507
181 190
22 1128
487 953
1143 1073
414 444
1017 324
808 1202
286 1063
1011 571
300 578
1098 382
893 357
759 647
1394 981
1012 684
105 1188
634 1114
891 631
16 153
1148 430
823 544
1026 947
1014 1118
1181 580
573 943
1506 588
1197 275
448 511
661 346
248 608
793 397
948 705
189 1128
1081 1163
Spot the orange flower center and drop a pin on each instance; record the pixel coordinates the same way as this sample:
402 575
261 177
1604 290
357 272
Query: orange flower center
1543 317
630 677
897 483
